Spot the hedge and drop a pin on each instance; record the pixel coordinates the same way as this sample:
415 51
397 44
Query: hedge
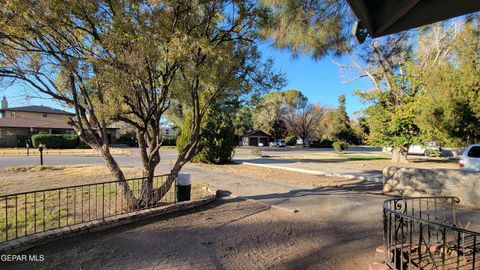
322 144
340 146
58 141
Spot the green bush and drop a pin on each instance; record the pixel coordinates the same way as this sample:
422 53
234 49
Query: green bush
58 141
170 141
322 144
22 140
340 146
217 141
291 140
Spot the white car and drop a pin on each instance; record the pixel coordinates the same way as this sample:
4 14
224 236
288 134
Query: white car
427 150
417 149
278 143
470 159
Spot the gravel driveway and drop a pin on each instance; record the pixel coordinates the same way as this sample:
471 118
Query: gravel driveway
232 234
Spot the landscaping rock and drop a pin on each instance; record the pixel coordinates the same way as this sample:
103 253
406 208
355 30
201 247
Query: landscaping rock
440 182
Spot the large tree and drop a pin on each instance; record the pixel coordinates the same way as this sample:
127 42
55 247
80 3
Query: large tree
270 113
449 110
126 61
341 127
391 113
303 121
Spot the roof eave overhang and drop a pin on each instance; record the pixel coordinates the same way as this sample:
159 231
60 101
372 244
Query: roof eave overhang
393 16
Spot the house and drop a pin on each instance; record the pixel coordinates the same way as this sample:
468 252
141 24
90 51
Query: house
19 123
255 137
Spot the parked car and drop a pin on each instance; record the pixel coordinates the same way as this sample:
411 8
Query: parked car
278 143
418 149
424 150
470 159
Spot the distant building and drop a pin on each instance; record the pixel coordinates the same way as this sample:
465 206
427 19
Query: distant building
19 123
254 138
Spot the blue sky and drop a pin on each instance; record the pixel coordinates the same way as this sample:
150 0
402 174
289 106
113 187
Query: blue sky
319 80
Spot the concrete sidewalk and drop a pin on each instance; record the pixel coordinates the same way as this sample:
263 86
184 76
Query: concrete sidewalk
317 168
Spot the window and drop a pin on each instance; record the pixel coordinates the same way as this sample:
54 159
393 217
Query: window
12 114
1 133
44 115
474 152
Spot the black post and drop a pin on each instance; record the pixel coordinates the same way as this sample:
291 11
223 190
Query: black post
40 148
184 185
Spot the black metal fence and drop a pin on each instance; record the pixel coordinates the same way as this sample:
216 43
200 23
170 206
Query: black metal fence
27 213
422 233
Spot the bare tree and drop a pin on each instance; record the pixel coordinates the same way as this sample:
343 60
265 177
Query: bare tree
304 121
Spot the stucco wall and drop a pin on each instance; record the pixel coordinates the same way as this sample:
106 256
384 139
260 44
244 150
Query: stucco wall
441 182
34 115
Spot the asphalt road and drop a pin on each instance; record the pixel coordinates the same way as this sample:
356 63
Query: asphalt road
167 155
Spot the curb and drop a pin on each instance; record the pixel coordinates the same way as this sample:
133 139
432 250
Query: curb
348 176
29 241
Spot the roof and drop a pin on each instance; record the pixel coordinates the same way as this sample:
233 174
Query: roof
384 17
33 123
38 109
256 132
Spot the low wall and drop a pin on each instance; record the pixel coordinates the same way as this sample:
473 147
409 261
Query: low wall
413 182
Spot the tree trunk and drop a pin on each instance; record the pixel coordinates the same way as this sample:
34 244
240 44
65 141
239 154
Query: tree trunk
160 192
118 175
399 155
303 142
150 159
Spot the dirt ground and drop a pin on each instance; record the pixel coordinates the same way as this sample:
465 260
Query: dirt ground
30 178
367 161
295 178
228 234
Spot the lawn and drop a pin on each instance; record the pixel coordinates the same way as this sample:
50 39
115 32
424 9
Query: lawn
74 203
366 161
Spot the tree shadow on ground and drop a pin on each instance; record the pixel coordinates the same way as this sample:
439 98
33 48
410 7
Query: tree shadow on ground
251 237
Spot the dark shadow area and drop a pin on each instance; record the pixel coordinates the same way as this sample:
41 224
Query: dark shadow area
227 234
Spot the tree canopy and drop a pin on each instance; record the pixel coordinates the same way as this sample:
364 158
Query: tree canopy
316 28
130 60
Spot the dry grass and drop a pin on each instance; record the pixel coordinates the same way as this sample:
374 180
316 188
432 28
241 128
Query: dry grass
29 178
39 211
281 176
367 161
34 151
